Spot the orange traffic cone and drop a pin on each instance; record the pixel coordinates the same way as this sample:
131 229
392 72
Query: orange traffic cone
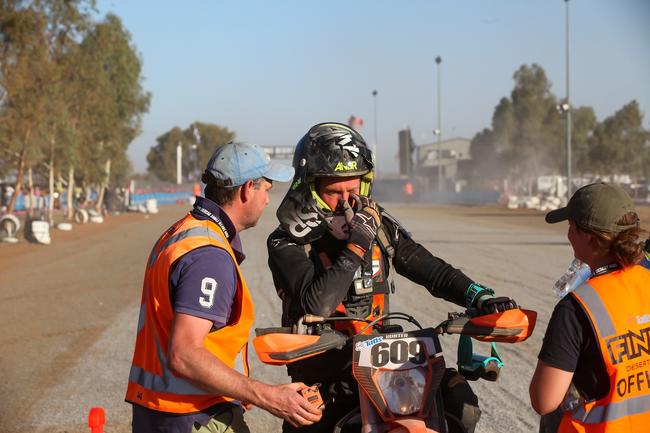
96 420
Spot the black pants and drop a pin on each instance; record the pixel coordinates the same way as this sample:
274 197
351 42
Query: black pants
461 404
550 423
342 396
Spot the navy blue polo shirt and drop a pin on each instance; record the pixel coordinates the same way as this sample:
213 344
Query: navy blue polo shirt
204 281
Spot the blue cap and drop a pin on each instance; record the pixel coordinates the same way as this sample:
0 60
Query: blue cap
241 162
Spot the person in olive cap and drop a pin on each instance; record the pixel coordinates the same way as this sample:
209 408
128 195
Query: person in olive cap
190 369
589 340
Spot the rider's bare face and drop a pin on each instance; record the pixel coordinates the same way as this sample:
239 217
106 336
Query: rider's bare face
334 189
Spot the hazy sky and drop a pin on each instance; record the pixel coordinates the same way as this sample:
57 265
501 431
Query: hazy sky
268 70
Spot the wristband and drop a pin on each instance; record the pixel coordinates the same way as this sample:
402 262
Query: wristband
475 291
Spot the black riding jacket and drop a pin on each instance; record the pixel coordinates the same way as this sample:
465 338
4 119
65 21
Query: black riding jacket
307 285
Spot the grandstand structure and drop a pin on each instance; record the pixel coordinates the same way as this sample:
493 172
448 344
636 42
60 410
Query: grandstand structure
280 153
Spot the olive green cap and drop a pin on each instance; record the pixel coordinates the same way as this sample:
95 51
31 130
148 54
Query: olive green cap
598 206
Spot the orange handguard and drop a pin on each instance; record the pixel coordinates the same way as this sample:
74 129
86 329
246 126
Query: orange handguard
510 326
283 348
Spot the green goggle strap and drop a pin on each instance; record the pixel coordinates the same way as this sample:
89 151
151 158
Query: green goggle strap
364 190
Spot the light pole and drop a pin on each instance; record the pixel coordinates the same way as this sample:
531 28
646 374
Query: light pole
438 131
179 161
374 102
195 148
195 157
568 109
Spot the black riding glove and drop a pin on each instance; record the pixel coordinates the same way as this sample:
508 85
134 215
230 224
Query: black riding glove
483 299
488 304
365 222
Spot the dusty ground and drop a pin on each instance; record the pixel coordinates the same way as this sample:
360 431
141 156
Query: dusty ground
68 311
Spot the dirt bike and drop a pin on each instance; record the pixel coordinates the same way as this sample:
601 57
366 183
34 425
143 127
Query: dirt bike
398 372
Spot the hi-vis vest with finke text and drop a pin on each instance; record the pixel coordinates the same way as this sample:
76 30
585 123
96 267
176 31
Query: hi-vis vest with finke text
152 384
618 306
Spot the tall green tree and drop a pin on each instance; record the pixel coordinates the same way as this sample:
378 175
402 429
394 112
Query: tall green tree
71 92
583 122
162 157
34 37
119 96
527 132
23 80
619 143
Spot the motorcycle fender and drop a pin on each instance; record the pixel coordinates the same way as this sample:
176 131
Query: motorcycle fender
409 425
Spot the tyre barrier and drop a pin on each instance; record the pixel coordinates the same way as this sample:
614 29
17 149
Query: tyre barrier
95 217
40 232
66 227
151 205
9 226
81 216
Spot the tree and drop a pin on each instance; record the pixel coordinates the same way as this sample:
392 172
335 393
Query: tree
528 132
162 157
34 37
23 78
619 143
70 92
118 99
583 121
483 148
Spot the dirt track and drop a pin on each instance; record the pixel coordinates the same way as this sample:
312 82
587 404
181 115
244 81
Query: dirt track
68 311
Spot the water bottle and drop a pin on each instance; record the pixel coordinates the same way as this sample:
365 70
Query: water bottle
577 274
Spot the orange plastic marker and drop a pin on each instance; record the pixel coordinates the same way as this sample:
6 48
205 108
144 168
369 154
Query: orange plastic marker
96 420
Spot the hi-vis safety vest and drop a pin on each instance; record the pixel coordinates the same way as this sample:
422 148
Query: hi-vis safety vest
151 382
618 306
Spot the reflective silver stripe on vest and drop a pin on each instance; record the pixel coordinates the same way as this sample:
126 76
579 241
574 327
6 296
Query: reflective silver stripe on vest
597 309
142 315
613 411
194 231
167 383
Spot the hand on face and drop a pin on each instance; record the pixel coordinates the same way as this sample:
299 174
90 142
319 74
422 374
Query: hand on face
365 223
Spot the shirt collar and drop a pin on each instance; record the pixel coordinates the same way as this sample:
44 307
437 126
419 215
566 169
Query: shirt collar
206 209
606 269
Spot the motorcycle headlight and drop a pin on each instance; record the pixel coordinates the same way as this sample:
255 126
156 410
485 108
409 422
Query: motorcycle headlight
403 390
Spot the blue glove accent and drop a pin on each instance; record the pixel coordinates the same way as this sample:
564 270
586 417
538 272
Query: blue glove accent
474 292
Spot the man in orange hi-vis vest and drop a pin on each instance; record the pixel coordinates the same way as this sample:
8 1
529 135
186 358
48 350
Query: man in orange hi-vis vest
598 338
190 370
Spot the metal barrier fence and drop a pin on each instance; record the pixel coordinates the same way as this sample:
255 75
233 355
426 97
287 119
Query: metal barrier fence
140 196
